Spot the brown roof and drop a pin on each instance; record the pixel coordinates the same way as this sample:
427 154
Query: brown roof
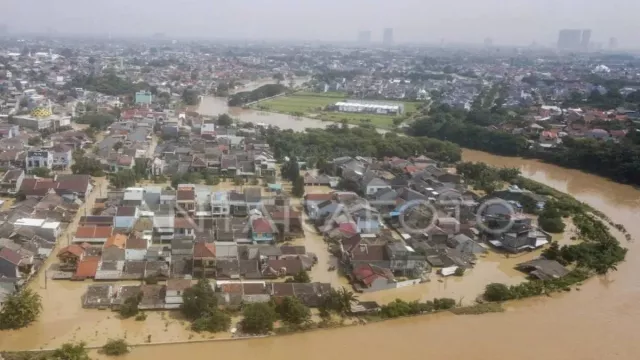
178 284
254 289
282 289
136 242
116 240
183 223
77 183
318 197
204 250
94 232
73 249
292 265
87 267
126 211
185 195
368 252
11 256
232 288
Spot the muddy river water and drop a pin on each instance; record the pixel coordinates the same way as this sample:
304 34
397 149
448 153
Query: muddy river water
601 321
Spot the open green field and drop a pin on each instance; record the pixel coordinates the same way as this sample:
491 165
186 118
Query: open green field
312 105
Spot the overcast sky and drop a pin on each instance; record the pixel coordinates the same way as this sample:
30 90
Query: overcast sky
505 21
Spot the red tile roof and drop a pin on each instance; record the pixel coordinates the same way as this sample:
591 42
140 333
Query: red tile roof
11 256
73 249
367 273
116 240
94 232
318 197
261 225
204 250
87 267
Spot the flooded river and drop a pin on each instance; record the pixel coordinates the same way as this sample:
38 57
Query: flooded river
598 322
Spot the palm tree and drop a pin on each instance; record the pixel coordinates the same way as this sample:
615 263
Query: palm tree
345 298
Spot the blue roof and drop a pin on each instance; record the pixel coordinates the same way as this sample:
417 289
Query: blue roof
275 186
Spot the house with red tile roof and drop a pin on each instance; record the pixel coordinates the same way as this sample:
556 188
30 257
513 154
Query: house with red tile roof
92 234
263 230
204 259
369 278
87 268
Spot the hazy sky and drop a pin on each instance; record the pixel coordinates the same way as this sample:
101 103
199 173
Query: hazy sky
506 21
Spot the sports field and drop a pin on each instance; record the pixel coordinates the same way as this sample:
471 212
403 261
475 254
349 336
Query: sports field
313 104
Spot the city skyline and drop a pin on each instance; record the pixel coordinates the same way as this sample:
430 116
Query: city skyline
520 21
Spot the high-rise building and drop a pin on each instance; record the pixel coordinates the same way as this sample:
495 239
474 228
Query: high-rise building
613 43
3 29
488 42
364 37
586 39
569 39
387 37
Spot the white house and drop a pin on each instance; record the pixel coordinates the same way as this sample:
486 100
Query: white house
61 156
208 129
220 203
175 290
40 158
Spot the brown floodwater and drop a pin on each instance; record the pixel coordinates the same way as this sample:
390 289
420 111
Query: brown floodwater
597 322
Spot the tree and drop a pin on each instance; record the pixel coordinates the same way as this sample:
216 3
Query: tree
117 146
212 321
190 96
115 347
20 309
258 318
225 120
123 178
497 292
141 168
130 306
71 352
96 121
238 181
86 165
292 311
198 300
278 77
34 141
298 187
339 301
301 277
291 169
42 172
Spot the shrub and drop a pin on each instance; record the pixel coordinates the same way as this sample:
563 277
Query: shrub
115 347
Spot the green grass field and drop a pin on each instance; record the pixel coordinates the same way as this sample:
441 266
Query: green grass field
313 104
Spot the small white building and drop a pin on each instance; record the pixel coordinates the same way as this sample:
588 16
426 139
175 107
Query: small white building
208 129
40 158
175 290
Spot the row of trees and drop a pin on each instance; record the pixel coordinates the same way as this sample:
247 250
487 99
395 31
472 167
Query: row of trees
108 84
340 140
263 92
99 121
502 292
617 160
399 308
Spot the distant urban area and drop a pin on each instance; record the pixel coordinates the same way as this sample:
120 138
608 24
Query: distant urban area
239 190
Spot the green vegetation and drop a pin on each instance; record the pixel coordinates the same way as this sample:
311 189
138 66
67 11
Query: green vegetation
311 104
130 306
258 318
108 84
477 309
190 96
115 347
264 91
338 301
340 140
399 308
615 160
123 178
300 277
293 312
85 165
200 306
599 251
501 292
20 309
42 172
96 121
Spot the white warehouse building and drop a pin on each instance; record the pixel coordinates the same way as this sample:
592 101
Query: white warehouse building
373 108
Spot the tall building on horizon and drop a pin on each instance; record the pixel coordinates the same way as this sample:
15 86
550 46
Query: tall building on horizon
387 37
488 42
3 29
586 39
364 37
613 43
569 39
